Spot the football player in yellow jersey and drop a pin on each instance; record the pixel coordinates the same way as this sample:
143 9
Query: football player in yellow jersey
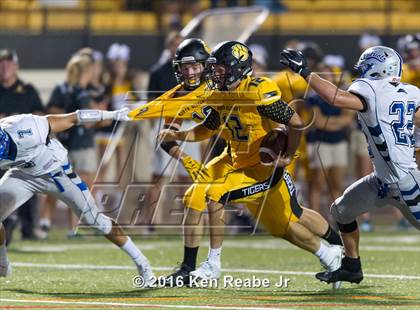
242 111
183 101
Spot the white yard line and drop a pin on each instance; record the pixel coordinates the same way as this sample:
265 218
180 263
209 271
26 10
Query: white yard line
235 270
93 303
238 244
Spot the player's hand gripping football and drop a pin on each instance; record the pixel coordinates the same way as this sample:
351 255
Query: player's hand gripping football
295 61
283 161
196 170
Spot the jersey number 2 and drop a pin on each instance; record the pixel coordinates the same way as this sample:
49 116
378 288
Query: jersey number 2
234 124
398 126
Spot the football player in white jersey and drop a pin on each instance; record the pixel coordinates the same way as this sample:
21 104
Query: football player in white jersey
387 111
37 163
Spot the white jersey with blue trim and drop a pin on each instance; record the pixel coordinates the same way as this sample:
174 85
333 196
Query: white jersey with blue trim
34 153
388 123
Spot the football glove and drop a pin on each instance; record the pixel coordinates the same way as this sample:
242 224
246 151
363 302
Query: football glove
295 61
120 115
93 116
196 170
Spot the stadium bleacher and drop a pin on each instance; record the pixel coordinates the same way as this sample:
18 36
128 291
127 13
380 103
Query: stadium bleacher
108 16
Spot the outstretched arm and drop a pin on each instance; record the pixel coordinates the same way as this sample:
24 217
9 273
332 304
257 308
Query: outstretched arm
202 131
172 147
61 122
327 90
333 95
194 134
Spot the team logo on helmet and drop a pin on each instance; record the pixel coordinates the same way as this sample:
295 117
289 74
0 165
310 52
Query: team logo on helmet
377 56
206 48
240 52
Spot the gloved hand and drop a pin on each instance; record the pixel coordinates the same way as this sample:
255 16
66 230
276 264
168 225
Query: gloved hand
117 115
196 170
295 61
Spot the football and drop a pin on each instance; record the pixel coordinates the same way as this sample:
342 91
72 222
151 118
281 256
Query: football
272 145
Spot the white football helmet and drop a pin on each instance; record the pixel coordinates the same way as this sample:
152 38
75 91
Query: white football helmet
380 62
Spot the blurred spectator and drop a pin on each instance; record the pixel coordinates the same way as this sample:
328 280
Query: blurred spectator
259 59
132 152
272 5
367 40
97 92
313 54
292 44
327 147
232 3
17 97
69 96
177 9
410 48
119 90
162 76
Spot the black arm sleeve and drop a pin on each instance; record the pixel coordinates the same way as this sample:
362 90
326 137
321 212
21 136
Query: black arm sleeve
278 111
168 145
212 121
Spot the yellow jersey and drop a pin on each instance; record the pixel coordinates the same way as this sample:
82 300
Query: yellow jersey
291 85
241 121
174 104
410 76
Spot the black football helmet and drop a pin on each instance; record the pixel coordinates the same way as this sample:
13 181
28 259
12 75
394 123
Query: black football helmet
188 52
235 57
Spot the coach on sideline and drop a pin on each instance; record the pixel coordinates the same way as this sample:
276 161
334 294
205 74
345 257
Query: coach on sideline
17 97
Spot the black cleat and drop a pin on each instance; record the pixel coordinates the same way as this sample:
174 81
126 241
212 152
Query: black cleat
181 277
340 275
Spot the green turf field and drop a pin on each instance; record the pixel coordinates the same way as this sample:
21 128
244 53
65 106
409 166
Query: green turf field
92 274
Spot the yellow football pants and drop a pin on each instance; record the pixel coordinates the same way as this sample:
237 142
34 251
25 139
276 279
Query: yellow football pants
269 195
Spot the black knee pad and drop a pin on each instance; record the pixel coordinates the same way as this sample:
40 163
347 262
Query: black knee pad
347 228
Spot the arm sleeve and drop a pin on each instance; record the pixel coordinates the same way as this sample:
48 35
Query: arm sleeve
364 91
212 120
168 145
270 104
279 111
